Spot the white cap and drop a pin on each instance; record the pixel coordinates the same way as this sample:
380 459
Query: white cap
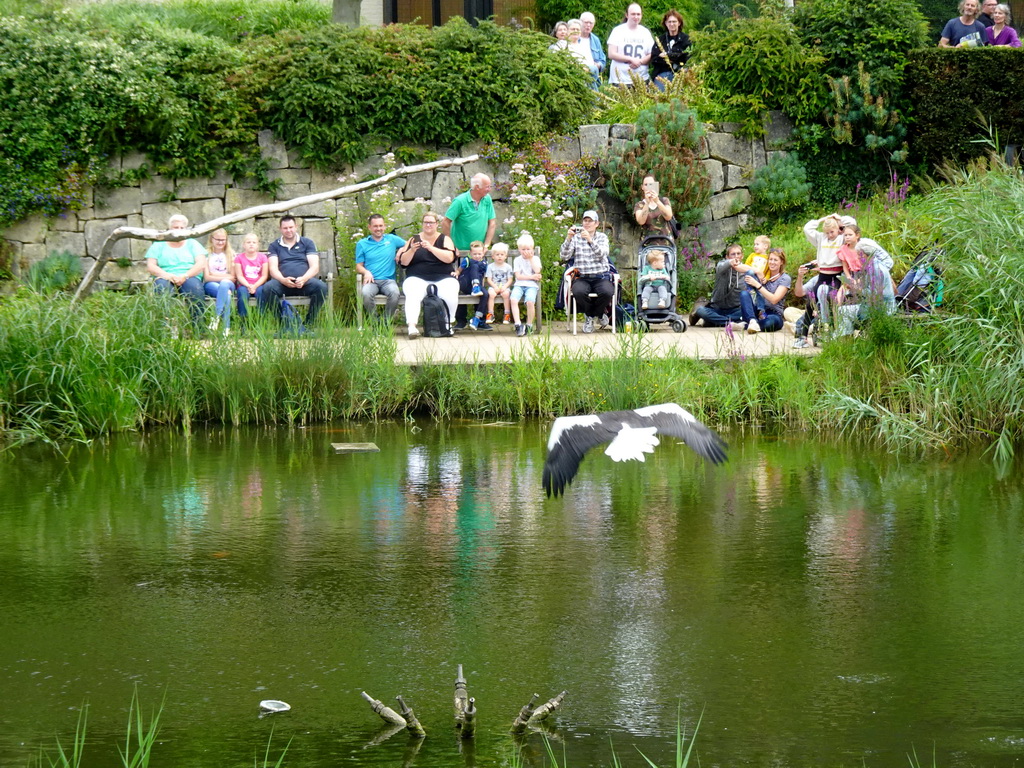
591 215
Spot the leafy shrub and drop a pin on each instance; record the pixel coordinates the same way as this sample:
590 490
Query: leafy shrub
666 145
781 186
56 272
960 95
754 65
624 105
876 33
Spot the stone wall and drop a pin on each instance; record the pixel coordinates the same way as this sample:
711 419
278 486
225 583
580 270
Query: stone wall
730 161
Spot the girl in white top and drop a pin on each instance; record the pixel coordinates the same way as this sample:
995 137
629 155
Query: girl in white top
527 269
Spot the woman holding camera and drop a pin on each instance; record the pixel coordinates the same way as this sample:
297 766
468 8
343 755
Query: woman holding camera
653 213
587 250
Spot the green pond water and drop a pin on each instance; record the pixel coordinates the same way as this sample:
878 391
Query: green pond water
822 603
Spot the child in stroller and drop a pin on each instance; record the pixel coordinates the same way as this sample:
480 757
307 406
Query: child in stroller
656 263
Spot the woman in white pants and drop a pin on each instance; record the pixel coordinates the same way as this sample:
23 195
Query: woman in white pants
428 258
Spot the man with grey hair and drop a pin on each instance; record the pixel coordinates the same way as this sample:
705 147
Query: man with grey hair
630 46
598 60
470 217
965 31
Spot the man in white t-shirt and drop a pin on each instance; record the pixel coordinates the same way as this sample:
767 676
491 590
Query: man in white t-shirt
629 47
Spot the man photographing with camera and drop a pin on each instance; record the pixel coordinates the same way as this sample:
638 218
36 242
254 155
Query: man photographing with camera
586 250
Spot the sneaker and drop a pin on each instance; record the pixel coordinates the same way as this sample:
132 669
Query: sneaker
738 327
484 327
605 321
661 303
413 332
475 323
506 321
490 317
643 305
477 291
520 330
694 317
588 325
753 327
460 326
801 343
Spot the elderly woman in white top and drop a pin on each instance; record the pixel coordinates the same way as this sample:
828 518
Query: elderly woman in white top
176 267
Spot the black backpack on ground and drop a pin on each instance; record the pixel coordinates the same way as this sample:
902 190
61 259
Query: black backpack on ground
436 322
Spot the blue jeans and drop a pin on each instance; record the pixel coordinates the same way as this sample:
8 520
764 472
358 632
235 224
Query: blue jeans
714 317
222 293
242 297
273 291
192 290
659 81
754 309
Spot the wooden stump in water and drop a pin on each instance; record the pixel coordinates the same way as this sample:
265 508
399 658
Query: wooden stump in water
519 726
388 715
412 724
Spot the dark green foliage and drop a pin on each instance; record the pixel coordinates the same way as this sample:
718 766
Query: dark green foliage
863 119
781 186
879 33
958 95
326 92
666 146
56 272
610 13
758 64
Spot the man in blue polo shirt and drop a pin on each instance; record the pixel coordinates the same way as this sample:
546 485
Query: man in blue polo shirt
375 261
294 266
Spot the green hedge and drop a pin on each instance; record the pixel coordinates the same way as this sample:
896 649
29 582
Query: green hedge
957 94
81 90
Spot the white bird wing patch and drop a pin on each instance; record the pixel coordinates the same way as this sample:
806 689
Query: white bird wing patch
630 444
568 422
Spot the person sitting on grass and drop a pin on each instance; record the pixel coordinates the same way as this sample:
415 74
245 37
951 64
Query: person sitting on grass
724 307
499 281
527 269
761 306
176 267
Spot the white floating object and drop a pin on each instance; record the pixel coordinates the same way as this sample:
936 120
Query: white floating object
355 447
273 705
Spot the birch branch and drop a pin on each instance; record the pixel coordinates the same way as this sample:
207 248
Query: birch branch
283 206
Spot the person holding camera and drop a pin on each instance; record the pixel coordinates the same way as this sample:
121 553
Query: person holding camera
653 213
586 250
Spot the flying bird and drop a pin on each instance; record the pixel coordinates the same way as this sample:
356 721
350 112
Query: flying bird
629 434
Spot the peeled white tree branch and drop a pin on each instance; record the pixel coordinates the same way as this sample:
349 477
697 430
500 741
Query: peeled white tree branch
156 235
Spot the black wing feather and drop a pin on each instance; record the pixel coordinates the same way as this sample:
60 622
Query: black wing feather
564 458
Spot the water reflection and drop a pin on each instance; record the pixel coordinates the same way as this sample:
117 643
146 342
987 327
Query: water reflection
824 603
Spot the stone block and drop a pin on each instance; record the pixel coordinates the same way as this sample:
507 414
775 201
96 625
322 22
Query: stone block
566 150
735 176
593 140
157 189
291 175
623 131
729 203
31 229
201 211
96 233
292 191
114 273
715 234
70 242
272 150
220 178
703 151
268 229
616 147
325 209
196 190
236 199
320 231
66 222
137 249
325 182
111 203
760 158
778 130
730 149
447 186
156 215
714 169
132 161
728 127
419 185
28 254
369 167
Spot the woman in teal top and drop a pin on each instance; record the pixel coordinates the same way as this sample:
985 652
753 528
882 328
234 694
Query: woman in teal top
176 268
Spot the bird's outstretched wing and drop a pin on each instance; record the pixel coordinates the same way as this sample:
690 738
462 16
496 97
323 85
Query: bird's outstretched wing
675 421
571 437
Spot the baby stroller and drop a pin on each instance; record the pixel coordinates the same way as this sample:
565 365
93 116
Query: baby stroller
922 288
655 314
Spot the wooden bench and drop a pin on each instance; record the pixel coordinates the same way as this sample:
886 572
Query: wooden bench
464 298
326 274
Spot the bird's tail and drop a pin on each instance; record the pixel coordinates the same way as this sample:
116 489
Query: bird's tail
631 444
